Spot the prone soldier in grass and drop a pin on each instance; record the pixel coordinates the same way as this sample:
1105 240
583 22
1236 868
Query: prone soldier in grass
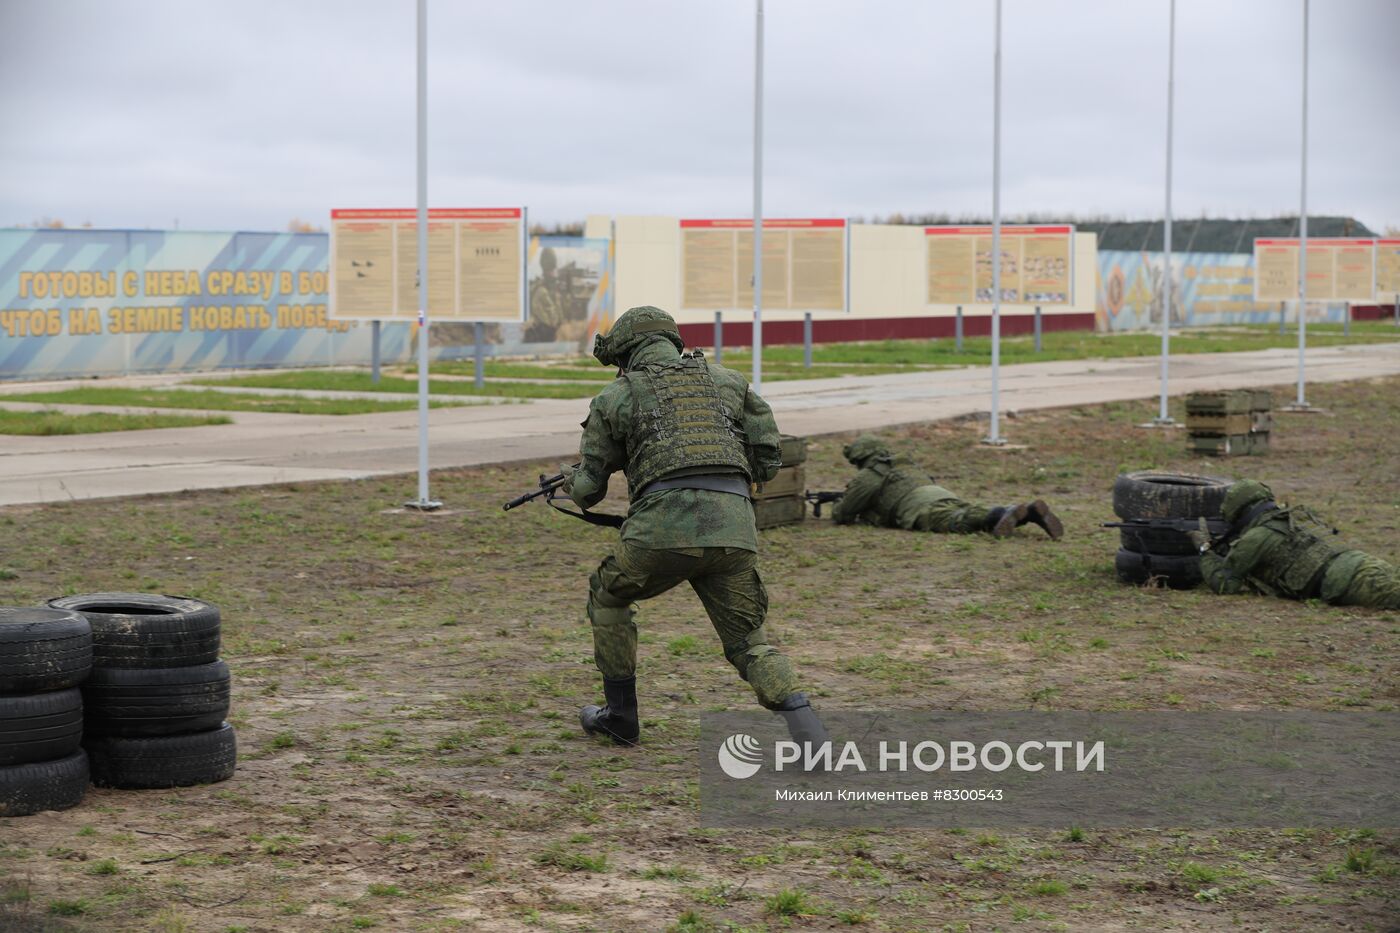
690 437
892 492
1288 552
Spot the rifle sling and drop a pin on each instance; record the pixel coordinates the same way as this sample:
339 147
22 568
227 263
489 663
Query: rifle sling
604 519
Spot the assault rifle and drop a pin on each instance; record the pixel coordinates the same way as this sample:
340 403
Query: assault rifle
818 499
549 485
549 490
1217 528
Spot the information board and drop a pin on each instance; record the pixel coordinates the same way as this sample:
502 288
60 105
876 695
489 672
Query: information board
1339 269
476 264
1037 265
804 264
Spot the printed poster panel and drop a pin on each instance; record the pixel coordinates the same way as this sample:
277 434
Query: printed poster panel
489 269
1037 264
1387 268
441 279
804 264
476 268
1339 269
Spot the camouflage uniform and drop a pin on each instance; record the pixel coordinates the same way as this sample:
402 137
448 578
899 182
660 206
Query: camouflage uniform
1287 552
892 492
688 424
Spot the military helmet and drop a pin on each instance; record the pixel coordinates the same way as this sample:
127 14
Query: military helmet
1241 496
863 448
631 330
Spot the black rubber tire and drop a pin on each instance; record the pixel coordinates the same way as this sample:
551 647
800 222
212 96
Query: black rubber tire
145 630
43 785
164 761
136 702
43 649
1158 494
1179 572
1156 541
40 726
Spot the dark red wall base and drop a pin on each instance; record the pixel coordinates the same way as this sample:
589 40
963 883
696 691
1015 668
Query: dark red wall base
1358 313
842 330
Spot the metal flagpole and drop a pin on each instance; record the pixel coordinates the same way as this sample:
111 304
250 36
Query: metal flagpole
1163 418
423 503
758 199
1303 234
995 437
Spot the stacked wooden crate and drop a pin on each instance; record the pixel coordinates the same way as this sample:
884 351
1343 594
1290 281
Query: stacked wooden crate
779 501
1233 423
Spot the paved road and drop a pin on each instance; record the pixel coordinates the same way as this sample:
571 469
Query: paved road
260 448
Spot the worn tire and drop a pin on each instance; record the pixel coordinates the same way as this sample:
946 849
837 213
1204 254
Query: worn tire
143 630
135 702
163 761
43 785
40 726
1156 541
1158 494
1180 572
43 649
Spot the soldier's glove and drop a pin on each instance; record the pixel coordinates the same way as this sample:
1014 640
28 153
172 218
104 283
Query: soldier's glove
568 470
1200 538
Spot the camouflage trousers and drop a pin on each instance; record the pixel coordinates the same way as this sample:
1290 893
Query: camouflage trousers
1375 584
727 582
953 516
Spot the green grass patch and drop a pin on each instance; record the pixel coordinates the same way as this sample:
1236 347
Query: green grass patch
50 423
1061 345
571 860
789 902
216 401
356 381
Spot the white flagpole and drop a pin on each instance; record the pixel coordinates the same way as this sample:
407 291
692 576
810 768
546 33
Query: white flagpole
1167 282
423 502
758 199
994 437
1303 234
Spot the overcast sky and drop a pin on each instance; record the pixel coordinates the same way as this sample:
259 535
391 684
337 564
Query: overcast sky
243 115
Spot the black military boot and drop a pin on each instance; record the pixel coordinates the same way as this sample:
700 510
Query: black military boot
802 722
1005 519
618 719
1038 513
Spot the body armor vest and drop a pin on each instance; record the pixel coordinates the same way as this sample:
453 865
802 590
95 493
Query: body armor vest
1299 563
680 423
898 481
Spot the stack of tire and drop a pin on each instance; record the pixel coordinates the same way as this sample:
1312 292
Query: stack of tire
158 694
44 655
1163 555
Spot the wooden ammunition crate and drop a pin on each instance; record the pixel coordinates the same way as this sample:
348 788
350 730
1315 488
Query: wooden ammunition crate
1233 402
794 450
790 481
1229 445
782 510
1219 424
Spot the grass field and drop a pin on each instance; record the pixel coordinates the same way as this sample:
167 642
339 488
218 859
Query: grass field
216 401
406 687
56 422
